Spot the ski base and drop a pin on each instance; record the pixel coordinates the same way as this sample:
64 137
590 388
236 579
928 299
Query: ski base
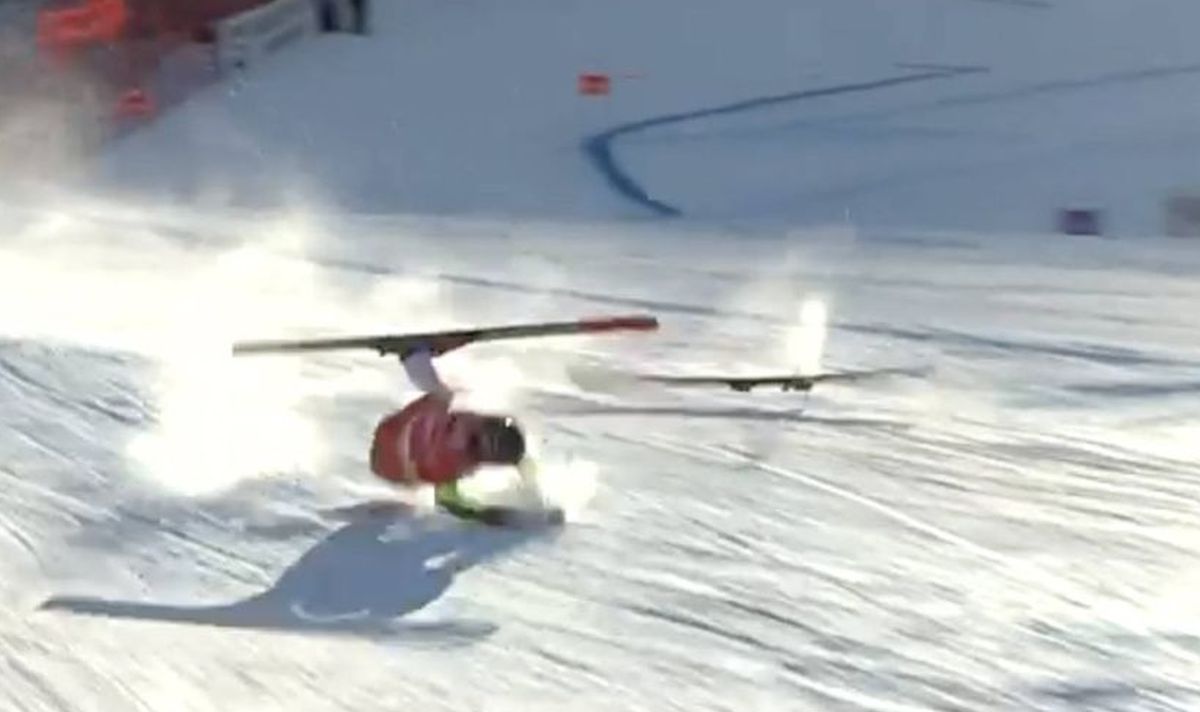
510 517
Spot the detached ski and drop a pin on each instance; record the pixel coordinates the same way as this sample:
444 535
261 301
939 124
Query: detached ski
440 342
784 382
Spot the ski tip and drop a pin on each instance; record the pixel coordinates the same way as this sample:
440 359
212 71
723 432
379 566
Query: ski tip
634 322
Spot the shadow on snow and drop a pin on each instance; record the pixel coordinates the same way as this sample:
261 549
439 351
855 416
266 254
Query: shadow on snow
360 580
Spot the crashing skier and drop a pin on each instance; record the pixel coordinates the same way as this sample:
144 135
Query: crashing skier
430 443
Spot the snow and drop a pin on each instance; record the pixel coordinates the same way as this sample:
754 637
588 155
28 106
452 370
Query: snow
949 114
1016 529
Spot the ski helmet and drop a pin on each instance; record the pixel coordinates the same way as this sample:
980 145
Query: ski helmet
500 440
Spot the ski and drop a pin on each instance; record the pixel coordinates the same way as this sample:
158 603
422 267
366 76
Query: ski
508 517
745 384
440 342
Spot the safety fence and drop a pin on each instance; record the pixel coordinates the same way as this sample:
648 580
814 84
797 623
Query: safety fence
117 63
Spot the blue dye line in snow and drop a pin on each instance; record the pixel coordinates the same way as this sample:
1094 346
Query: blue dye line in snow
599 147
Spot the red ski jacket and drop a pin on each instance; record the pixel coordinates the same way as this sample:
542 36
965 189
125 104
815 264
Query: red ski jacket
425 442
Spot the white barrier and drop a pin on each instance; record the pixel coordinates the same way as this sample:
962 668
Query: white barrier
245 38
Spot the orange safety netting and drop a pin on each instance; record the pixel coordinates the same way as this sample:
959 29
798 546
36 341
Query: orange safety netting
121 44
93 22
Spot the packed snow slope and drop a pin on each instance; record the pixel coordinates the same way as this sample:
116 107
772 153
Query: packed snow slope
975 114
1014 530
1017 530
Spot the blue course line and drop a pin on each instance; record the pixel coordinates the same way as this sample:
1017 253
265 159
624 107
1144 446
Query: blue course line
599 147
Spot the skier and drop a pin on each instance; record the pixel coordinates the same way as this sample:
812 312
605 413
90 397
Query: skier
428 443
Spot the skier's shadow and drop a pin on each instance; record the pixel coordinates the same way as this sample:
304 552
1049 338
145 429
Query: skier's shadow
360 580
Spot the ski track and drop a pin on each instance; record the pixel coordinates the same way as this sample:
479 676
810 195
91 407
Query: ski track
599 147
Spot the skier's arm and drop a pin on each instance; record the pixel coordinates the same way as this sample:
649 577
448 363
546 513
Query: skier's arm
418 365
